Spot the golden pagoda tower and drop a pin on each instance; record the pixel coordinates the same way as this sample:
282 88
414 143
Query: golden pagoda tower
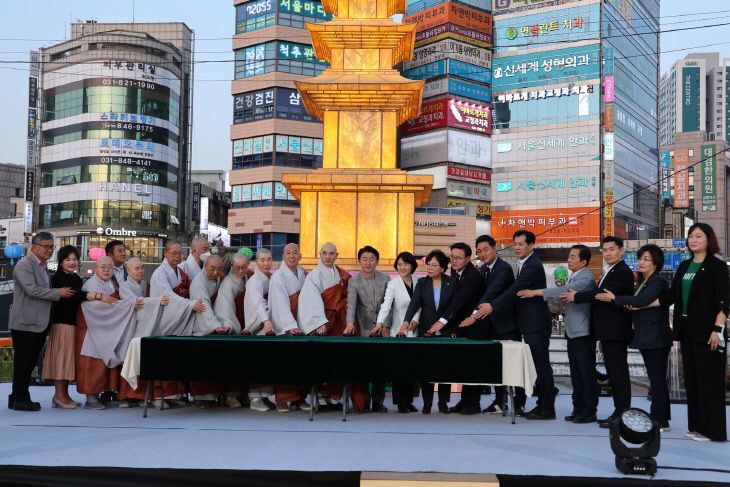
359 198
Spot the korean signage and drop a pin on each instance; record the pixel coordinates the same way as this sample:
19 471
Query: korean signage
446 145
421 5
450 49
28 217
609 151
484 210
270 103
507 6
608 174
204 214
255 15
608 89
549 28
453 31
260 192
450 66
306 8
469 174
35 64
548 147
454 13
671 260
451 86
690 99
709 178
539 187
548 67
277 143
625 8
559 225
451 113
32 92
32 121
29 180
681 179
608 203
664 172
527 95
196 199
608 117
473 191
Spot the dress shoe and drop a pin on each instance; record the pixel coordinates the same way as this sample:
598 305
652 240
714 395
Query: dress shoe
584 419
55 403
10 401
494 408
379 408
26 406
412 408
540 414
403 410
471 409
571 416
604 423
459 406
92 402
444 408
426 408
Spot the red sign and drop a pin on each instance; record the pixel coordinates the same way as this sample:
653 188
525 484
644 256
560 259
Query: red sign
453 13
469 174
560 225
448 112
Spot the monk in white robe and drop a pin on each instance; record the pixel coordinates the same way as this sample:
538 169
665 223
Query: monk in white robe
204 289
199 252
284 289
230 294
257 320
102 336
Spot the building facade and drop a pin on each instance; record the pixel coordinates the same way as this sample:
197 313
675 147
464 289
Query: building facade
12 183
451 140
271 132
575 119
209 205
695 96
114 138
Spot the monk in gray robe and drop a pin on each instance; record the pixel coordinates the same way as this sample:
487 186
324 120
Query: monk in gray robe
199 252
230 294
105 331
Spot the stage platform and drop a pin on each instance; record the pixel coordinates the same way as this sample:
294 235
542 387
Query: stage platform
274 447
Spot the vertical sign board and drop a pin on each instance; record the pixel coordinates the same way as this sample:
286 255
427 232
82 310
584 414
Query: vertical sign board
608 89
709 179
28 218
681 181
32 154
690 99
664 172
196 200
608 146
204 214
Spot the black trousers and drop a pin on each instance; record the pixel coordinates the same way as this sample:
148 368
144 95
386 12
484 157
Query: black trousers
427 393
617 368
582 359
539 344
377 395
27 346
704 381
480 330
656 361
402 393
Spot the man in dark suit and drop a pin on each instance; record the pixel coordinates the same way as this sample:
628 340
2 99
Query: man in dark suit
468 286
500 325
118 253
612 325
533 319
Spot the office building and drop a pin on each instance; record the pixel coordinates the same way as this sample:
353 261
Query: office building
115 125
11 189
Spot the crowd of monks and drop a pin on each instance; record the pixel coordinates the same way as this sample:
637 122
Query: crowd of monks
196 298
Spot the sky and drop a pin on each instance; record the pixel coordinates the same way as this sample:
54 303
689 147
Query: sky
31 24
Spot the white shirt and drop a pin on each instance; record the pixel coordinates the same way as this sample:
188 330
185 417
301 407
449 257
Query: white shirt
119 273
606 270
521 262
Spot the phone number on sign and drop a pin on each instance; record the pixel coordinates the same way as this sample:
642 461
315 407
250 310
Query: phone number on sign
130 83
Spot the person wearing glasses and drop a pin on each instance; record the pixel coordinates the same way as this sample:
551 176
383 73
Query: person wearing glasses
30 316
652 335
432 296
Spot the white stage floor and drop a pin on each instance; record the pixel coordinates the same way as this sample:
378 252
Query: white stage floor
250 440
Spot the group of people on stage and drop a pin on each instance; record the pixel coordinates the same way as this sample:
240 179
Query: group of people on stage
94 322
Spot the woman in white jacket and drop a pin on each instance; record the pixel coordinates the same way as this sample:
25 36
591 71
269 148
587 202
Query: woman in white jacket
398 295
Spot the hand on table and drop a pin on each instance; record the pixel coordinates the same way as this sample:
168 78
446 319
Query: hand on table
225 330
349 329
468 321
268 327
436 327
295 331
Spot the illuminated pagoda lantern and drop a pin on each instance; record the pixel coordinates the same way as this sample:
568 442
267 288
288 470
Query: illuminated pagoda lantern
359 197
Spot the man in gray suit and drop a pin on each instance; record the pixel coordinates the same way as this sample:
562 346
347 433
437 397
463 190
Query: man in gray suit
365 294
30 316
581 345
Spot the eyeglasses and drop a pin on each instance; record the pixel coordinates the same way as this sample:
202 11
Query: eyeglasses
48 247
433 266
454 257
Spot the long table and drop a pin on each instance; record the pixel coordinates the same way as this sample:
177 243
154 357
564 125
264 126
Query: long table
312 360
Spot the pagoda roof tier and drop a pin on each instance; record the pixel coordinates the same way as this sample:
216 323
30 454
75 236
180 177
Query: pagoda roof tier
362 90
360 180
363 34
393 7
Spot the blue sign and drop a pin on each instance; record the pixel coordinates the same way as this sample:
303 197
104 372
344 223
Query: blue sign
608 60
450 66
679 242
671 260
32 123
466 89
546 68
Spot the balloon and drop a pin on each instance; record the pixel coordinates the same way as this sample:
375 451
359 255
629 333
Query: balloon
96 252
13 251
560 273
246 251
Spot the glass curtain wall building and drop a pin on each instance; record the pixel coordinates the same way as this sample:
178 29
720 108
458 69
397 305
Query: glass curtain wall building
115 136
575 119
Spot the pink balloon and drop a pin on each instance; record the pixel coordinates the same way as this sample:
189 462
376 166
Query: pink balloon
96 252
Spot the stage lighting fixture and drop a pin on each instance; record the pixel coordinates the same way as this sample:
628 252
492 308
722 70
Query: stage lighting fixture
637 427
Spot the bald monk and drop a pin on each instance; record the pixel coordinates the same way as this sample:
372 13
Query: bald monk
103 333
199 252
284 289
229 303
322 310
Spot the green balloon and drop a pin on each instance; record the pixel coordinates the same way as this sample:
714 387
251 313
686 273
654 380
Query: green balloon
247 251
561 273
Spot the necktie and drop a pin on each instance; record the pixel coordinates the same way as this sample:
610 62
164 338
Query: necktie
120 274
